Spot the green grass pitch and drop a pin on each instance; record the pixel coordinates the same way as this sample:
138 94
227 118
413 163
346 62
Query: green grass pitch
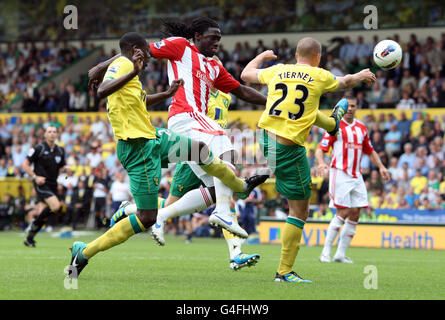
139 269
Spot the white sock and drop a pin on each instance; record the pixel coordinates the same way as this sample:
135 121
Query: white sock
234 245
346 236
223 194
193 201
131 209
333 229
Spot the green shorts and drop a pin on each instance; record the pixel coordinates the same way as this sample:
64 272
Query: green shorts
184 180
143 160
290 166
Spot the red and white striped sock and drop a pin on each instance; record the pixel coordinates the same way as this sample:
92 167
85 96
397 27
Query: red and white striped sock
346 236
193 201
333 230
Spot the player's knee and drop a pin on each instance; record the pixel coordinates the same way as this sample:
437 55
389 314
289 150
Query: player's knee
203 151
354 214
212 193
147 217
55 207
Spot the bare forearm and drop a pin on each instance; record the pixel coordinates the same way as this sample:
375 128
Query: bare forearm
250 95
105 64
110 86
154 99
375 159
319 156
350 81
96 74
250 72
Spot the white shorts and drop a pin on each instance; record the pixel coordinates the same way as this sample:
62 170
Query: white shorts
346 191
201 128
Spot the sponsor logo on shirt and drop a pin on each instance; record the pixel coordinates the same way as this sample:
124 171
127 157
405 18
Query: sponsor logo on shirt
114 69
201 75
159 44
354 146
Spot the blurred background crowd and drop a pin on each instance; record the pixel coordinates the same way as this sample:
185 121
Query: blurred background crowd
417 83
26 20
410 140
413 150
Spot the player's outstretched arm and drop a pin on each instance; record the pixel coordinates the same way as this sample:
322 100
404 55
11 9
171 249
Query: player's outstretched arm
322 166
250 95
154 99
375 159
96 74
351 80
110 86
251 71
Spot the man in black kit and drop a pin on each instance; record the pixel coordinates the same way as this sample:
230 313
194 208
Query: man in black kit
48 158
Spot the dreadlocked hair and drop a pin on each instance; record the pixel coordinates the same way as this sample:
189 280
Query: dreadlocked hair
181 29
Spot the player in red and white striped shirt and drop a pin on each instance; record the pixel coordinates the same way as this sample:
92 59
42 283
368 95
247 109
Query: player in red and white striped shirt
190 50
346 185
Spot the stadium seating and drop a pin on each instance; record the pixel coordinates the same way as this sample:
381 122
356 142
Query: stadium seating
403 97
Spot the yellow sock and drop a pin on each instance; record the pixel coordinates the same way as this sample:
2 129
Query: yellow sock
161 202
220 170
292 231
123 230
326 122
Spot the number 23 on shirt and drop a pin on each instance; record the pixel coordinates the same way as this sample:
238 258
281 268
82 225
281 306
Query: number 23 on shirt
294 92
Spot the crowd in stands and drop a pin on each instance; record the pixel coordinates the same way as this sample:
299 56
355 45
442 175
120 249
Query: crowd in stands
95 180
412 148
23 69
43 19
417 83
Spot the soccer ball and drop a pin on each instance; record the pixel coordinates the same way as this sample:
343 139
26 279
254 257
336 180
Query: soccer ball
387 54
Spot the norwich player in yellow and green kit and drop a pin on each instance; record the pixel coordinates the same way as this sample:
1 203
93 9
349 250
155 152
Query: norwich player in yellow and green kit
294 92
143 149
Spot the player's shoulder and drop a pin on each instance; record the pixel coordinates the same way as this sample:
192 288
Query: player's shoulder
279 66
361 125
225 95
119 62
60 148
176 40
36 149
273 71
321 72
39 146
121 59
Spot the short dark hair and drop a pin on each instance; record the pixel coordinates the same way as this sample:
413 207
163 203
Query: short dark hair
131 39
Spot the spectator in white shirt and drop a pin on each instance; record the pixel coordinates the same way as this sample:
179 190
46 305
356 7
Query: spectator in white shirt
395 171
98 128
119 191
80 101
94 155
406 102
18 156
